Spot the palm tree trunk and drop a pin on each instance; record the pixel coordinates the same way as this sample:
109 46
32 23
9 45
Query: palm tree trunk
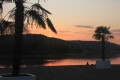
19 18
103 49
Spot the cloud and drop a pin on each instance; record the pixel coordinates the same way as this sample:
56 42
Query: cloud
66 35
64 31
83 26
78 32
116 30
85 33
116 34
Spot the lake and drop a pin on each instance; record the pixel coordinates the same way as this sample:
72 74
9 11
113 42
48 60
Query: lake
65 62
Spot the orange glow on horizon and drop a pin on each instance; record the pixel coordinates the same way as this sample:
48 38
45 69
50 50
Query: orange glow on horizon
83 34
71 36
69 62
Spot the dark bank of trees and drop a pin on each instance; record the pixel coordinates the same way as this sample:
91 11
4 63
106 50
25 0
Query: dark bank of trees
34 44
42 45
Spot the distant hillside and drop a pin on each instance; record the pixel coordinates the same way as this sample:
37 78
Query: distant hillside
34 44
40 44
94 44
93 48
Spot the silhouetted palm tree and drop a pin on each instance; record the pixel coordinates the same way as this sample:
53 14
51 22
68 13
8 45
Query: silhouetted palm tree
3 26
8 27
102 33
37 14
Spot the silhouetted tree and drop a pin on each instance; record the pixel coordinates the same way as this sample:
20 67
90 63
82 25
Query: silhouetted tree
8 27
3 26
37 14
102 33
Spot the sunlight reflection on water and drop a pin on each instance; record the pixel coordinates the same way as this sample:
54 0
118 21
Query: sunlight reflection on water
65 62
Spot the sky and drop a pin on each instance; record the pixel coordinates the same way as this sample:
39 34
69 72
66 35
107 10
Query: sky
77 19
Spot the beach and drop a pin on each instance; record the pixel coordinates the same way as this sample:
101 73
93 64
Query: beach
70 72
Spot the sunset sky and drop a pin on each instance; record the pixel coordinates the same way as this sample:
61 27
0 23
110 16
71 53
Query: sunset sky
77 19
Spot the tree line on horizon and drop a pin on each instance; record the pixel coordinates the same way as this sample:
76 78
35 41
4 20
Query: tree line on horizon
40 44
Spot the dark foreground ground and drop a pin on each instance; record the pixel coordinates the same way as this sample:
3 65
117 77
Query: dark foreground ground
71 72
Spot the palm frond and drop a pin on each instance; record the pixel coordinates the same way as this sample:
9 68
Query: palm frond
111 36
25 28
97 36
1 4
4 25
1 8
34 16
102 31
37 6
50 25
7 27
108 28
8 1
12 13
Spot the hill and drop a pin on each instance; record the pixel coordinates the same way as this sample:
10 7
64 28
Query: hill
43 45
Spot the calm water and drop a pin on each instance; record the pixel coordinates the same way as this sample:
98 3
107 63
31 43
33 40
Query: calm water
78 62
66 62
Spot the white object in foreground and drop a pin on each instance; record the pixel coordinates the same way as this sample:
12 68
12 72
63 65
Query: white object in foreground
22 77
103 64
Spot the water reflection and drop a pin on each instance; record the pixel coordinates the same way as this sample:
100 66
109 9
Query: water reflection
65 62
115 60
51 62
